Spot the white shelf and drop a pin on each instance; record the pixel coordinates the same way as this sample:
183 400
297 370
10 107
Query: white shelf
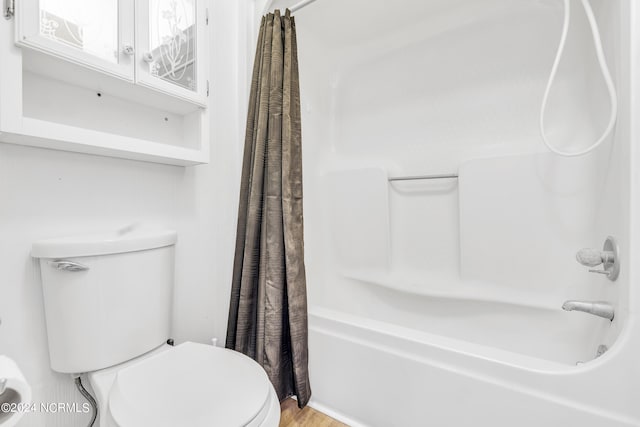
43 134
58 109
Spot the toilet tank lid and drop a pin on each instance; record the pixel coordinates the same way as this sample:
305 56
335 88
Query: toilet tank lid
103 244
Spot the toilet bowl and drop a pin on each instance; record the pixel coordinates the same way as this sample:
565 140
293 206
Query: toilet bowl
108 303
188 385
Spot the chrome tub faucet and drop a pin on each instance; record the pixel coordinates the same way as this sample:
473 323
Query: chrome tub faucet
597 308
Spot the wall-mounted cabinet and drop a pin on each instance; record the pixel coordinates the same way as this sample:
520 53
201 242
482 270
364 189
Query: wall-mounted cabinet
110 77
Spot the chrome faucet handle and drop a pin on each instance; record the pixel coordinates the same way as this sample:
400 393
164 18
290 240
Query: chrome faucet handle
593 257
608 257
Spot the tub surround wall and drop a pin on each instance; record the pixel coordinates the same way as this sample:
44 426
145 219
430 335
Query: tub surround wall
47 193
482 262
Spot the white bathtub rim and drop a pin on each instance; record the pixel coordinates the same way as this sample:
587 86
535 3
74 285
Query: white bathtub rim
443 343
456 345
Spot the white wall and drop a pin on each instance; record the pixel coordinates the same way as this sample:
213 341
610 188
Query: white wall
45 193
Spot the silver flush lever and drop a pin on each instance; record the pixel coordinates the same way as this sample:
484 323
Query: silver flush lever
65 265
608 257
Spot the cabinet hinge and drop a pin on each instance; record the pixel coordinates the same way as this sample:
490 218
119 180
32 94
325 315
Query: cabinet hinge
206 16
9 9
207 87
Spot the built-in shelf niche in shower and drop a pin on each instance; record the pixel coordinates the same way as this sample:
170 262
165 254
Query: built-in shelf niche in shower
62 97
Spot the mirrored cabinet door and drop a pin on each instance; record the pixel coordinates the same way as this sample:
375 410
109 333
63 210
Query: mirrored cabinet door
98 34
171 39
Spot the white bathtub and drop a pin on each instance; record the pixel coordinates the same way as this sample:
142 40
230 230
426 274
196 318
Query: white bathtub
371 373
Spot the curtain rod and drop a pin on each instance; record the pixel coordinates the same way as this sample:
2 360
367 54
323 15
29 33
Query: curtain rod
300 5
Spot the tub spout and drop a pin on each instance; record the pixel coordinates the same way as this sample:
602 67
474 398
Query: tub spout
597 308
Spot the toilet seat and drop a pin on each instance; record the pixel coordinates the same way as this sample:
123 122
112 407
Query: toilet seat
192 384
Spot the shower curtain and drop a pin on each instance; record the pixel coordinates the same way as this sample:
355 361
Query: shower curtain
268 312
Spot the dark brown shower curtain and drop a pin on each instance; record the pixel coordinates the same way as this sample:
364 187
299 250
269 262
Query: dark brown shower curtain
268 312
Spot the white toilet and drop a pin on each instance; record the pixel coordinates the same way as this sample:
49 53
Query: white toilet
108 305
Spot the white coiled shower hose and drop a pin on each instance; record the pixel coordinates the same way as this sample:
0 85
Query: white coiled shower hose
605 74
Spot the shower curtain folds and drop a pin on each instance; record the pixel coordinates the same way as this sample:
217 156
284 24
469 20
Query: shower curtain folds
268 310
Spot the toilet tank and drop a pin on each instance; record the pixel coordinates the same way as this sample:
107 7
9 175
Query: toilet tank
107 297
